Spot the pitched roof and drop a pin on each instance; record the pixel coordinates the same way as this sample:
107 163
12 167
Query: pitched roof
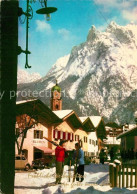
62 113
130 132
83 119
87 123
37 108
95 120
71 116
25 101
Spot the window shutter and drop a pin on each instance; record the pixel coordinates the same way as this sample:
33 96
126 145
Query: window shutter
64 135
59 134
69 136
34 134
75 137
41 135
54 133
78 137
72 137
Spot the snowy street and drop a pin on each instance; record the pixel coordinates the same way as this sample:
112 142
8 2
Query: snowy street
96 180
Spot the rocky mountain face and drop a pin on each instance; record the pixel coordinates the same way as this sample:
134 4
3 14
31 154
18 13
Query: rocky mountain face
99 77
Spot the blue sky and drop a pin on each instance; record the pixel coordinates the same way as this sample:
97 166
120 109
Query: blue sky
69 26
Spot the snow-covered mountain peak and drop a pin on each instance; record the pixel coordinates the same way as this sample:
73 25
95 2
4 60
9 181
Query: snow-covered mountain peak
99 75
93 34
112 25
24 77
124 34
59 65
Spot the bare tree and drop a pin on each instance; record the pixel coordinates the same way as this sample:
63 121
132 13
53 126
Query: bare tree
23 124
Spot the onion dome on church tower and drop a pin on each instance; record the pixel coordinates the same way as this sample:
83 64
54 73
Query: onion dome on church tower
56 87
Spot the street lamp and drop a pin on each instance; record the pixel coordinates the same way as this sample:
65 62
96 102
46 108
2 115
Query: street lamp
29 15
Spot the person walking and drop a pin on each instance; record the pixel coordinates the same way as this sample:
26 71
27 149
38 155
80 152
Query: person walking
79 158
102 156
112 154
60 154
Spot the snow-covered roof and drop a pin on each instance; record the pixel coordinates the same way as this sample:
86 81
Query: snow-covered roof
25 101
83 119
128 127
111 140
46 116
132 131
62 113
95 120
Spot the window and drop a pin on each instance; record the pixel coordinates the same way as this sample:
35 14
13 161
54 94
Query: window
76 137
81 143
64 135
17 158
93 142
61 134
71 137
68 136
23 158
57 106
89 141
38 134
55 134
85 139
96 142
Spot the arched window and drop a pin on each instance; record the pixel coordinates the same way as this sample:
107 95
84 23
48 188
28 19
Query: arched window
57 106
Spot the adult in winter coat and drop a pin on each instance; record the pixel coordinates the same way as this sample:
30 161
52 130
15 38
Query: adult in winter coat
60 157
79 157
102 156
112 154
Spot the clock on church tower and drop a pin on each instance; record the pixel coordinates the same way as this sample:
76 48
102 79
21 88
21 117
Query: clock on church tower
56 100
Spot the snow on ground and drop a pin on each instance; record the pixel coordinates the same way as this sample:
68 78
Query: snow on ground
96 181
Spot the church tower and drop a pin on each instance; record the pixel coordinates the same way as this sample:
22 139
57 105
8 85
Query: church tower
56 100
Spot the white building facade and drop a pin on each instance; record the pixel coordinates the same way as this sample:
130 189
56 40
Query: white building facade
92 144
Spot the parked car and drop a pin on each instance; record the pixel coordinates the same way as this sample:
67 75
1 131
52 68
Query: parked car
21 162
41 163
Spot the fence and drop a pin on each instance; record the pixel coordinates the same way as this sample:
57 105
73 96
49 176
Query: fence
124 175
